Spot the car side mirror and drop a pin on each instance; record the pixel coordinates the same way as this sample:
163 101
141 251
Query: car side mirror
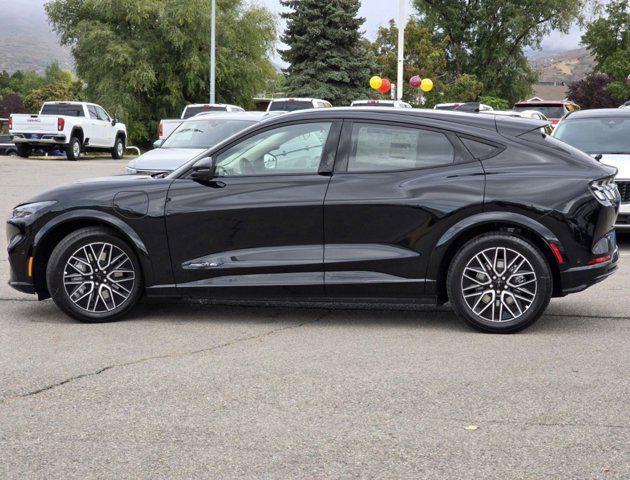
116 119
203 170
158 143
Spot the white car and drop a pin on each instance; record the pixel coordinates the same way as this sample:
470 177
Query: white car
73 127
166 126
293 104
603 133
380 103
192 137
536 115
464 107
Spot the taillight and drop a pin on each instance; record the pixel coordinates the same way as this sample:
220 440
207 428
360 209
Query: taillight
605 190
160 130
10 123
60 124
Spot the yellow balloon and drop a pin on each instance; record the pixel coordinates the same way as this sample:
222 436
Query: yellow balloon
376 82
426 85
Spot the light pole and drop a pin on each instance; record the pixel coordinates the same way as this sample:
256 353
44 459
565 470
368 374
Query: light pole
213 48
401 48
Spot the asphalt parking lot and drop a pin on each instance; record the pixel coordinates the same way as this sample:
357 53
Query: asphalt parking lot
198 391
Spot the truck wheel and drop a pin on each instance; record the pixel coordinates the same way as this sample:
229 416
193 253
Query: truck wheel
23 150
119 149
73 149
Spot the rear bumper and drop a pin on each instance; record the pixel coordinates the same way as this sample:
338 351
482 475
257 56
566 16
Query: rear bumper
39 139
577 279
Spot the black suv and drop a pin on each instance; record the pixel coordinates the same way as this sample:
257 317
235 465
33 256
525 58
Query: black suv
350 205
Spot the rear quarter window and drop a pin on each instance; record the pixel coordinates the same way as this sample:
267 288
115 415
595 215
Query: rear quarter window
479 149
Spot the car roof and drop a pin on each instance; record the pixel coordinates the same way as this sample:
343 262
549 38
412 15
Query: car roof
411 115
598 113
254 116
543 103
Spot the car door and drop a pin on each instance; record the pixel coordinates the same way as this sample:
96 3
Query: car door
107 130
257 229
92 127
392 184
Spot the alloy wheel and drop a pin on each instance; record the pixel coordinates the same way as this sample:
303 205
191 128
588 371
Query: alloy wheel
499 284
99 277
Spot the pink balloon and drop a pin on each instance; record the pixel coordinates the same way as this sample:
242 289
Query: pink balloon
414 82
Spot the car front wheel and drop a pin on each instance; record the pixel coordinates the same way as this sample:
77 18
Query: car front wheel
94 276
499 283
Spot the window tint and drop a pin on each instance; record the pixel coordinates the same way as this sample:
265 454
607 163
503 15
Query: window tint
192 111
478 149
59 109
290 105
384 147
294 149
92 112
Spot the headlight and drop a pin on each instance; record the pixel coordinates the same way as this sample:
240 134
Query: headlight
28 209
130 171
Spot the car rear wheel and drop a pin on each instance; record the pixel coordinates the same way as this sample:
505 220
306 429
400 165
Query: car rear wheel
119 149
499 283
23 150
73 150
94 276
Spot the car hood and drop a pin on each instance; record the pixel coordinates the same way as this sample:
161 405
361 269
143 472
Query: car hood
164 159
621 162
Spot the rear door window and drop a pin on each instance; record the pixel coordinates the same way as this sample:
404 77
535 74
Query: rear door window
381 148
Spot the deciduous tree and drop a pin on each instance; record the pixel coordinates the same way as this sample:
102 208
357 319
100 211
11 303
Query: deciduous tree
146 59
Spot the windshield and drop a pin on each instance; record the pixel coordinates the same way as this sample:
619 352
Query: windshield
290 105
192 111
204 133
549 111
596 135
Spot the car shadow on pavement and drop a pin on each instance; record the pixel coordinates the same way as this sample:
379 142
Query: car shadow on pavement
424 318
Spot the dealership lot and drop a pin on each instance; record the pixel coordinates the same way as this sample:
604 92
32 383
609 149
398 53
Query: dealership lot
203 391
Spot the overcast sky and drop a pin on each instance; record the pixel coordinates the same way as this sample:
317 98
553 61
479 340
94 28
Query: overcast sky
378 12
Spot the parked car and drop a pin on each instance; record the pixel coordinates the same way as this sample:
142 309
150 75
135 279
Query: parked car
7 147
605 134
166 126
293 104
380 103
625 104
192 137
533 114
74 127
554 111
465 107
355 205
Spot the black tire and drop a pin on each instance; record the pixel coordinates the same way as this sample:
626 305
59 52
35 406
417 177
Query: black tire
509 307
73 149
23 150
59 266
118 151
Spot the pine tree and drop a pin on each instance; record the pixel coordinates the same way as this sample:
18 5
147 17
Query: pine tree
326 55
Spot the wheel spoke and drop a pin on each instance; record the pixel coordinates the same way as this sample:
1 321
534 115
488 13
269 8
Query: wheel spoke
499 284
99 277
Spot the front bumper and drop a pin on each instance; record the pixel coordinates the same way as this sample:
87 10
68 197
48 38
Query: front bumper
19 276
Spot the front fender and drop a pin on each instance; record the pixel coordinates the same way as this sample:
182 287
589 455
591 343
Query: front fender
101 217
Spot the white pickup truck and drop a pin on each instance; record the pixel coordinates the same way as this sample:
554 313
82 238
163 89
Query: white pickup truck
73 127
167 126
